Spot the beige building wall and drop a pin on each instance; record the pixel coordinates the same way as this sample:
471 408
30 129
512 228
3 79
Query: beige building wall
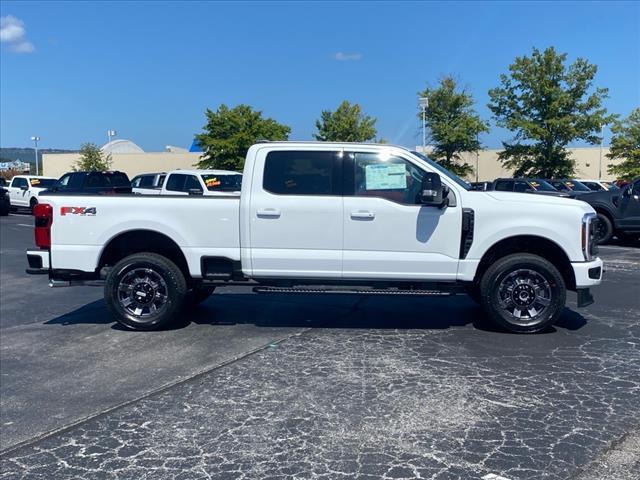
489 168
587 164
57 164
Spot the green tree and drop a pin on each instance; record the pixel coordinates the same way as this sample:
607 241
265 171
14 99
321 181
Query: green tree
625 144
92 159
229 132
547 104
346 124
453 124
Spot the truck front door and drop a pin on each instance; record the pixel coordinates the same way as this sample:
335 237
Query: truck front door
296 214
388 234
630 207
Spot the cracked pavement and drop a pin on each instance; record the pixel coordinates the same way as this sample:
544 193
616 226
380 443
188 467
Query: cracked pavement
383 388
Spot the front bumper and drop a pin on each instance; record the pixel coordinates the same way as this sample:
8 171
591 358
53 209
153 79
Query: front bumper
588 274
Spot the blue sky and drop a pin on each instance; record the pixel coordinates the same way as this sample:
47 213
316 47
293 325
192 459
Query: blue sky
71 70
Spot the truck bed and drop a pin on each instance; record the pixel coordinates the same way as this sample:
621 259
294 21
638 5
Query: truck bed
83 226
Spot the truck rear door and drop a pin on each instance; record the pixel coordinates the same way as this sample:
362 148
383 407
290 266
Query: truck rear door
296 227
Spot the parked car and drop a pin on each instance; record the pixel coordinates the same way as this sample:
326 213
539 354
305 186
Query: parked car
202 182
526 185
148 183
324 218
569 186
481 186
598 185
618 212
90 183
5 201
24 190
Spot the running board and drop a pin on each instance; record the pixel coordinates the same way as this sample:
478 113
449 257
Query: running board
352 291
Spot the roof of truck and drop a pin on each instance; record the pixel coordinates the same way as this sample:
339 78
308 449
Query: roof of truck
206 172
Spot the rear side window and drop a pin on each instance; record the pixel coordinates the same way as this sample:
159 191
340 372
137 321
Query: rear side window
146 181
175 183
504 186
301 173
119 179
96 180
521 187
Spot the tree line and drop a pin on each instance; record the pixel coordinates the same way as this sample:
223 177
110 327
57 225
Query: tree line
545 102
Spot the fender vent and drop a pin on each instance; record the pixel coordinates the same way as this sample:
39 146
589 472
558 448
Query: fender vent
466 237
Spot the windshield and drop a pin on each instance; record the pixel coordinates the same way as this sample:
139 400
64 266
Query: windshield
542 186
223 183
559 185
441 169
43 182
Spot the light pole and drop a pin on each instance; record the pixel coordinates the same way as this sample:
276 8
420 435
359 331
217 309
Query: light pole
424 103
477 155
111 133
601 142
35 140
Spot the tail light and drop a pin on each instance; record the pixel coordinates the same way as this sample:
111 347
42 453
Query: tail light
43 214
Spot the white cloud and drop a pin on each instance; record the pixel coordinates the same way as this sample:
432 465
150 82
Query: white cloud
347 57
13 34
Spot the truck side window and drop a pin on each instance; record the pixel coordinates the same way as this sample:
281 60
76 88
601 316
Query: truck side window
175 182
504 186
391 178
192 183
145 181
299 173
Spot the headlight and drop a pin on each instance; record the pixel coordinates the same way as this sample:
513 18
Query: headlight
588 236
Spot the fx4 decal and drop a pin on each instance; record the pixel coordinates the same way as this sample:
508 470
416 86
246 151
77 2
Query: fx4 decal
78 211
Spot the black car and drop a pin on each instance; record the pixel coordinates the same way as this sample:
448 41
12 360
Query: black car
92 183
569 186
526 185
481 186
5 202
618 212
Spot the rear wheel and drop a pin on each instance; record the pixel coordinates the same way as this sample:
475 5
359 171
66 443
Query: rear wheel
523 293
145 291
604 228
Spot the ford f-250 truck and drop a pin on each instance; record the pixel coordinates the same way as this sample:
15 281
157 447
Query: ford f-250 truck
325 218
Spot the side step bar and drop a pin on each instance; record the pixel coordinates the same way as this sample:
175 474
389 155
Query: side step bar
352 291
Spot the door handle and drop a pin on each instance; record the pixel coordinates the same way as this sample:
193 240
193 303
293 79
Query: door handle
268 212
363 215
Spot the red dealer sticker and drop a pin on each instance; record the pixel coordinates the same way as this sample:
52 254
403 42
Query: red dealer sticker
78 211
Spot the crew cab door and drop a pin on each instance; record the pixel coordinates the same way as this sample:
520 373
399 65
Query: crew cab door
18 194
295 214
388 234
630 207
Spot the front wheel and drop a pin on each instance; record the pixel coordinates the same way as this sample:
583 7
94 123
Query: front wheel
523 293
145 291
32 204
604 228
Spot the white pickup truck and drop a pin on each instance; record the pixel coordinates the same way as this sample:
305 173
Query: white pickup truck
325 218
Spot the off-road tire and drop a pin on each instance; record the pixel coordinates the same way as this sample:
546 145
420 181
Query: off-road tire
172 289
500 273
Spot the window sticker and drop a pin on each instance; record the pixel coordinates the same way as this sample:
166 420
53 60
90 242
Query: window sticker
35 182
390 176
535 185
212 182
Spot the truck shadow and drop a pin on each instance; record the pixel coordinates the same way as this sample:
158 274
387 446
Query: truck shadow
324 311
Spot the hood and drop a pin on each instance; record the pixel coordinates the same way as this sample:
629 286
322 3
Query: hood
531 198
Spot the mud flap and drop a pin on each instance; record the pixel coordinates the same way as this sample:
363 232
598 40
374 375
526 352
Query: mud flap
584 297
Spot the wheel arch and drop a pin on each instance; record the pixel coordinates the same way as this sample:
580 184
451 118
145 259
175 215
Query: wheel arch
142 240
532 244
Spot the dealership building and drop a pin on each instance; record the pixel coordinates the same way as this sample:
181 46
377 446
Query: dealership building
126 156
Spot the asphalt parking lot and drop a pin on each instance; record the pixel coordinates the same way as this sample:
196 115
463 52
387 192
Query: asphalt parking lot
271 386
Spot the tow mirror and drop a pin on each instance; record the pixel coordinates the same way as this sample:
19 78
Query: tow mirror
432 192
195 191
24 188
